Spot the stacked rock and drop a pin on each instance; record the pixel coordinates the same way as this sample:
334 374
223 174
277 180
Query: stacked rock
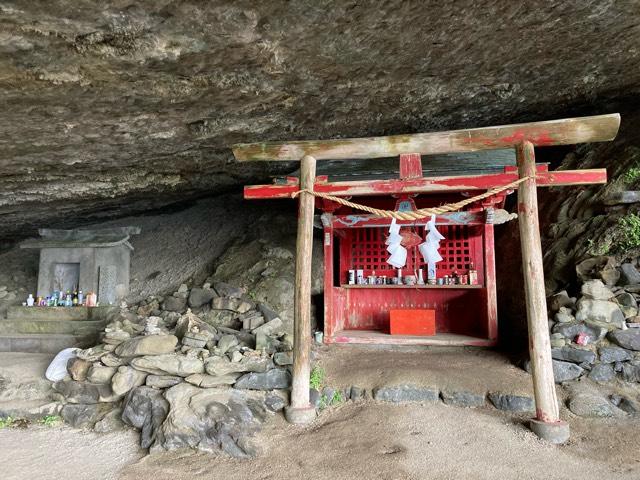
598 334
162 366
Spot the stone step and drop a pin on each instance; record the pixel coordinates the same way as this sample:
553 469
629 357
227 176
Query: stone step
44 343
69 327
59 313
47 313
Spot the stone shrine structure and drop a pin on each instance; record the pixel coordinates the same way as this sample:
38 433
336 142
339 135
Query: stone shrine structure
90 260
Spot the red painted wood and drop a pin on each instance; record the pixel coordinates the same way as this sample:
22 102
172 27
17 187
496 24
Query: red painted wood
376 338
364 221
490 281
328 240
431 185
410 166
412 322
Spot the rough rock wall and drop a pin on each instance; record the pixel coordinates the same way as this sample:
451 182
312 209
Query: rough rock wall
576 223
592 221
116 107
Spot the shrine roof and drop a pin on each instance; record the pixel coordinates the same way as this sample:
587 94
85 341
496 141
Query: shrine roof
453 164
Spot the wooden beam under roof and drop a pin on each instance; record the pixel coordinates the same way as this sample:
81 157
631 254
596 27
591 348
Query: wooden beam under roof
567 131
431 185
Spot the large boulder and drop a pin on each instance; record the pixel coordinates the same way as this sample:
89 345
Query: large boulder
223 366
614 354
593 405
571 330
81 392
270 380
169 364
201 296
147 345
600 313
126 379
145 408
209 381
174 304
82 415
629 339
629 274
210 420
565 371
100 374
573 354
596 290
511 403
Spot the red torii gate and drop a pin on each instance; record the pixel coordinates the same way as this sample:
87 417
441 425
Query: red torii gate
522 137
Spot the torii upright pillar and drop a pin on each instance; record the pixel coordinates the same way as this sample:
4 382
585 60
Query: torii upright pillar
547 423
300 411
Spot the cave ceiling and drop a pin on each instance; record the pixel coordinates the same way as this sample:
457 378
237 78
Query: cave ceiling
114 107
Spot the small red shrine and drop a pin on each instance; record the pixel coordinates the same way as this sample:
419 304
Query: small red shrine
466 315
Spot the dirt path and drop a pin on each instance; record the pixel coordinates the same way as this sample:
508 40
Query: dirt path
354 441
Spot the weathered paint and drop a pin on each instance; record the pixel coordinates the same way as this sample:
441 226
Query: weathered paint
566 131
452 218
432 185
410 166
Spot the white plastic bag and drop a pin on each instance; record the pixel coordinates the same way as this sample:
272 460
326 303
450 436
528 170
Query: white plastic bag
57 369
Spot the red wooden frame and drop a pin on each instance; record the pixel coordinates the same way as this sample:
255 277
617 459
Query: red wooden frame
465 314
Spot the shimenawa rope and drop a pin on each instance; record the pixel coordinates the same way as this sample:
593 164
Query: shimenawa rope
416 214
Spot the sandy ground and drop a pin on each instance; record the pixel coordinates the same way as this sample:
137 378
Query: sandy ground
355 440
472 369
364 440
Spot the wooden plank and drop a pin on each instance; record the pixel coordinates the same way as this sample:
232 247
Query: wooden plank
490 280
558 178
410 166
374 337
539 342
302 292
413 287
328 278
566 131
363 221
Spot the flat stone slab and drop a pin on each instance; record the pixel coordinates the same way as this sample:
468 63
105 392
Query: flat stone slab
406 393
463 399
512 403
67 327
43 343
58 313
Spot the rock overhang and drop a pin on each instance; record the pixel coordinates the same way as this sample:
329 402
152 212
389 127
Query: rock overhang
122 109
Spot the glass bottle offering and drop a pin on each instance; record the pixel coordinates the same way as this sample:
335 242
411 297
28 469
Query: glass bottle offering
473 274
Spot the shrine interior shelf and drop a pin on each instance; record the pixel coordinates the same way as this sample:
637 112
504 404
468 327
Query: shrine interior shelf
413 287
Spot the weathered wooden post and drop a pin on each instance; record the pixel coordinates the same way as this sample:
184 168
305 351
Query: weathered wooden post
547 423
300 410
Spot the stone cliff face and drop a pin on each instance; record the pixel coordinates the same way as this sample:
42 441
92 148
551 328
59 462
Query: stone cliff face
115 107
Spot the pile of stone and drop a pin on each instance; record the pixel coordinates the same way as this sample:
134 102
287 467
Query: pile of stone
200 368
597 334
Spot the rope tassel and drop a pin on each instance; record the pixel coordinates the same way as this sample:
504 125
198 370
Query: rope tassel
416 214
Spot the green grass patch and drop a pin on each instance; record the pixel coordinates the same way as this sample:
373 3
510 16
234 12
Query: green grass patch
316 379
6 422
632 175
50 420
629 230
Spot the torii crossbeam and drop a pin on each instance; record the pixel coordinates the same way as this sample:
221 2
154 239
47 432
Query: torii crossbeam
522 137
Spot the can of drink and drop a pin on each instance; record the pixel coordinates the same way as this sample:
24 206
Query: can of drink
360 277
352 277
